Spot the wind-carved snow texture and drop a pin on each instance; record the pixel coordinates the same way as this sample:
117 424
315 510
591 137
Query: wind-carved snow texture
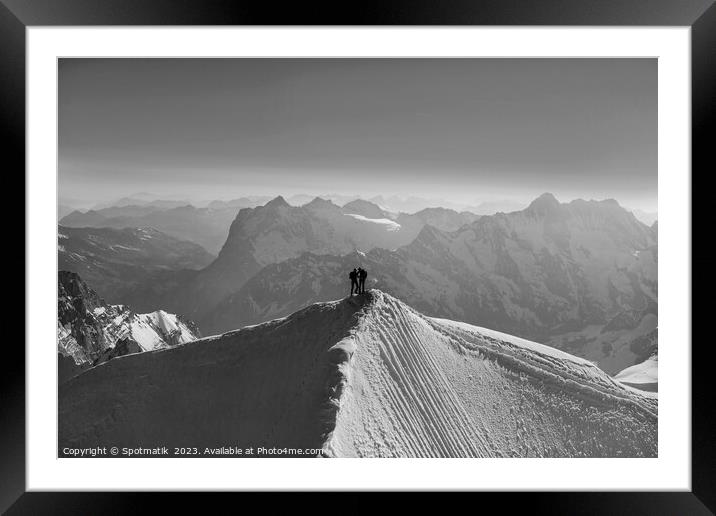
422 387
361 377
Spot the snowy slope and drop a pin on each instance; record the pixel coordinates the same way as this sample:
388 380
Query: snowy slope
361 377
644 375
418 386
116 322
154 330
389 225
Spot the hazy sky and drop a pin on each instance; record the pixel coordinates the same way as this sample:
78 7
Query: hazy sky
461 129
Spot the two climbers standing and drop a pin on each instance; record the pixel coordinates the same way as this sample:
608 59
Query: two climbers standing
357 277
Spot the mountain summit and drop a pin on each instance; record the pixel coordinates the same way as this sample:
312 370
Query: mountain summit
277 202
544 203
365 376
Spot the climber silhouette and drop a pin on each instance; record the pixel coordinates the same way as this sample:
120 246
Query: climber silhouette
362 275
353 275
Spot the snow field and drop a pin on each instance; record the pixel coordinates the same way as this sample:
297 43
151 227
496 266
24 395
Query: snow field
362 377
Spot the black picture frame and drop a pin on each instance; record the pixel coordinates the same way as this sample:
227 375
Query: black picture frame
700 15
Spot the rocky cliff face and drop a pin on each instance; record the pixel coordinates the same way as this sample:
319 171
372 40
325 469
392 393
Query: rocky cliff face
90 331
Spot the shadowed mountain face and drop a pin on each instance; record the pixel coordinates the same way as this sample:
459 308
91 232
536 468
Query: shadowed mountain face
549 271
116 261
361 377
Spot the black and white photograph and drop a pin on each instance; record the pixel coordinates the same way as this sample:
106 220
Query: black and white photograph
357 257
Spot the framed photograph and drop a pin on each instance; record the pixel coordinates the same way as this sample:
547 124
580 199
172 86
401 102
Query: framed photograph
422 244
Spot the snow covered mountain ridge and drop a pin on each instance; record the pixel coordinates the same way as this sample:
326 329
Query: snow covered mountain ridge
90 331
362 377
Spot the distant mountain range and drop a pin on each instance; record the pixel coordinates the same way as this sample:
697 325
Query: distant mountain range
276 232
116 261
203 226
90 331
394 204
412 204
209 225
